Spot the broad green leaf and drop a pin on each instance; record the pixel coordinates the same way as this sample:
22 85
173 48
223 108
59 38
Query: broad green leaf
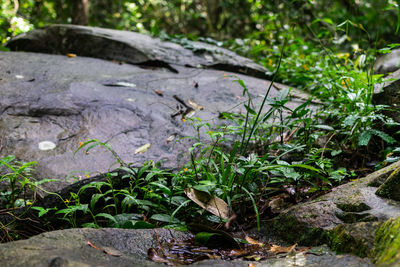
164 218
107 216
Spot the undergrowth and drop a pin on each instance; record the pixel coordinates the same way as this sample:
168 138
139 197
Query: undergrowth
247 158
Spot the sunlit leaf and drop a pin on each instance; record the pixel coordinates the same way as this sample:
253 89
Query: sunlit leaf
278 249
253 241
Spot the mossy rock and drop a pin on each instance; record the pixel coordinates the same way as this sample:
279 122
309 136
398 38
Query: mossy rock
391 187
292 230
355 238
387 243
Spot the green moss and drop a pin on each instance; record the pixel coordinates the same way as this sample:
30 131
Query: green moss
291 230
358 207
352 217
391 187
341 241
387 243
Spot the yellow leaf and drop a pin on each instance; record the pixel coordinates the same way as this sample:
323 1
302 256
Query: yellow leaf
143 148
253 241
71 55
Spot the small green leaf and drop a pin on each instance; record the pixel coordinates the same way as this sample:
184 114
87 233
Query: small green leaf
203 238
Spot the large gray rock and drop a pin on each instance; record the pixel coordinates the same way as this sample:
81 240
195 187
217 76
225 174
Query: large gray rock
129 248
69 100
132 48
388 93
388 63
70 248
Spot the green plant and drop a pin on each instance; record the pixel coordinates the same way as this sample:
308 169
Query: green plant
16 179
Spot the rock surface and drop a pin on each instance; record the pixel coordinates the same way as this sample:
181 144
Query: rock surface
345 218
132 48
391 187
388 62
129 248
49 103
388 93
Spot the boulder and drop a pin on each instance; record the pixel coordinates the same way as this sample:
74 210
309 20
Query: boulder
345 218
388 62
87 247
387 93
50 103
391 187
131 47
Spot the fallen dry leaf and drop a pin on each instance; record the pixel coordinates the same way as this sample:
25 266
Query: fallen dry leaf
195 105
171 138
251 265
143 148
112 251
91 244
213 204
278 249
253 241
71 55
159 92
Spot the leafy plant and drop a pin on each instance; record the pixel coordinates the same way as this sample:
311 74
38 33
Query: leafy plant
16 179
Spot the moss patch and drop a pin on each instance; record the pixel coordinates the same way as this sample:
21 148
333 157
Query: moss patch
353 207
387 243
391 188
356 238
290 229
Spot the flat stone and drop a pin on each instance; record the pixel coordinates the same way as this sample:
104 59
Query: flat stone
64 101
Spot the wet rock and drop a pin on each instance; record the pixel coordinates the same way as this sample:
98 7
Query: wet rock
122 247
388 62
132 48
391 187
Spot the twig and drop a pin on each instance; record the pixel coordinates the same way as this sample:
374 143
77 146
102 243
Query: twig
159 243
177 98
323 150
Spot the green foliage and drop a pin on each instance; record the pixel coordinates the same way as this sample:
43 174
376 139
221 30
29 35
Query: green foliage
17 183
326 48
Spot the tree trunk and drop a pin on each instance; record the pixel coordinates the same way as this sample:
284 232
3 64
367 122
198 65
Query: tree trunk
80 12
